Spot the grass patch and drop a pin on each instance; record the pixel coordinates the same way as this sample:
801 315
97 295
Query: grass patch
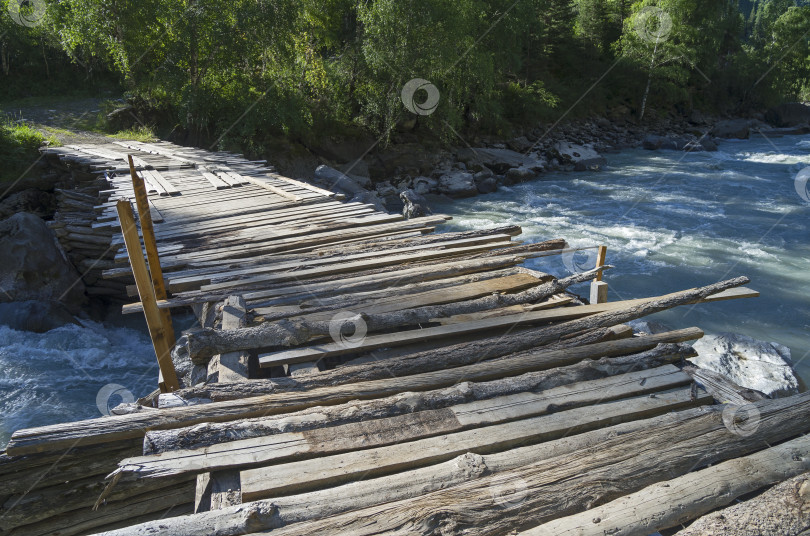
19 145
139 133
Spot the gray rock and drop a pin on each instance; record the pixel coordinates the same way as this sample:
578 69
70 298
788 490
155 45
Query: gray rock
36 316
498 160
425 185
735 128
335 180
583 158
521 174
358 172
458 184
759 365
386 189
34 266
487 186
415 205
708 144
790 114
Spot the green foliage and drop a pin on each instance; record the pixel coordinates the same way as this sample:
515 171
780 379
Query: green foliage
234 73
19 145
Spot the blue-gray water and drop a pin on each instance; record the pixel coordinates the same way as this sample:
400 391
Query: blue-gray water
673 221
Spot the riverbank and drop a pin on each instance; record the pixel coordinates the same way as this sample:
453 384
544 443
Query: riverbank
483 165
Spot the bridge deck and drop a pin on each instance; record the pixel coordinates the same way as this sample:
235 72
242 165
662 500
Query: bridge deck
351 372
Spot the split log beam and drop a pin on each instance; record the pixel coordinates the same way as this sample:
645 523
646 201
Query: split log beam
206 434
119 427
571 483
674 502
200 345
359 436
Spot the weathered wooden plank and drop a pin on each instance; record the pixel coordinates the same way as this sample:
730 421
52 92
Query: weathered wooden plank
297 477
674 502
568 484
408 427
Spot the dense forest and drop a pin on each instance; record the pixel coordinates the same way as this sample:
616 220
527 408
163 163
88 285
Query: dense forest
302 68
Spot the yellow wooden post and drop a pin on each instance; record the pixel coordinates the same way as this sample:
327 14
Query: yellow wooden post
600 260
150 244
599 289
154 317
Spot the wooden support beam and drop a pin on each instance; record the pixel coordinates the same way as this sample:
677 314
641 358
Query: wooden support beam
150 245
154 317
601 257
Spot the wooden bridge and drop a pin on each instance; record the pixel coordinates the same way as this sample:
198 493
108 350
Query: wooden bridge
353 372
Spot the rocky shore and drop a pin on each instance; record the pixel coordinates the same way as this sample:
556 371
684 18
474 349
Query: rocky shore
398 177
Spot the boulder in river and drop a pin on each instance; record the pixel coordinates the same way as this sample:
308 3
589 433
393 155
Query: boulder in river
458 184
789 114
735 128
583 157
498 160
34 266
415 205
750 363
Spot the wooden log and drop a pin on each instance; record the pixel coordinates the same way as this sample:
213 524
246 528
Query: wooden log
571 483
674 502
307 475
500 351
407 427
295 332
281 511
119 427
175 500
205 434
783 510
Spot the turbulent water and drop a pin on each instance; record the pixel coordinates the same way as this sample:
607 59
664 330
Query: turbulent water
71 373
673 221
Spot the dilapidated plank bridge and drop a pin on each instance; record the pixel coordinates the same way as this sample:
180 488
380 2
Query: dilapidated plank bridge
353 372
